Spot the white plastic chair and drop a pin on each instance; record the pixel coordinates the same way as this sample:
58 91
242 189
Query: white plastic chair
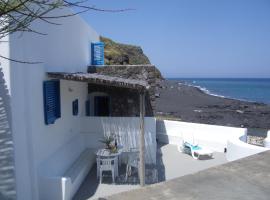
132 161
107 164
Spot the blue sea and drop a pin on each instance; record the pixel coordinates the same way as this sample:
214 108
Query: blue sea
248 89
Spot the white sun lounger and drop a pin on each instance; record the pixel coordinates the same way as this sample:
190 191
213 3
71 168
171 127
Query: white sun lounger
195 151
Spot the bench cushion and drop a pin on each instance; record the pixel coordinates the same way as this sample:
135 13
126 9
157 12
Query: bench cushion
87 158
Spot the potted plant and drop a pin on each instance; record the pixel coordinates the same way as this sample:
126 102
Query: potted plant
109 142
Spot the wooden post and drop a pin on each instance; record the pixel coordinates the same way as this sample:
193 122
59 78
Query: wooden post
142 142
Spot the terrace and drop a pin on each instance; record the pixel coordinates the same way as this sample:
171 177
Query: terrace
135 126
170 164
103 105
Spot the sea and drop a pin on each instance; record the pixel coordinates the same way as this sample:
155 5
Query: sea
246 89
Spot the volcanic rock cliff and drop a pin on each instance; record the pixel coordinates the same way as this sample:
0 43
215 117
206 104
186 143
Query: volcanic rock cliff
123 54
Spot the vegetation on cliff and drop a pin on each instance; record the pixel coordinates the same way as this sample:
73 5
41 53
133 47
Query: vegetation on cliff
121 54
124 54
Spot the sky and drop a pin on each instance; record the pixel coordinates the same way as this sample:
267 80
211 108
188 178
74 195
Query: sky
193 38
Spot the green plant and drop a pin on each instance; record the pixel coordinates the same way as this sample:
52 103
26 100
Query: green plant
107 140
113 149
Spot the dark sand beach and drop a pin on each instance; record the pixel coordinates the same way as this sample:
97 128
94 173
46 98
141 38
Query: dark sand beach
190 104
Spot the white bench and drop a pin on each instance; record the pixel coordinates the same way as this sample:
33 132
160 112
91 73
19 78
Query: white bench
80 168
65 187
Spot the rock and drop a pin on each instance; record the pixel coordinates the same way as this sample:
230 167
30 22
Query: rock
123 54
255 140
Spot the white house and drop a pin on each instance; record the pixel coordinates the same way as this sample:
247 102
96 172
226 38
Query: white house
65 48
45 151
53 145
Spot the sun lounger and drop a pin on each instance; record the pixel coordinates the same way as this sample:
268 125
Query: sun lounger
196 151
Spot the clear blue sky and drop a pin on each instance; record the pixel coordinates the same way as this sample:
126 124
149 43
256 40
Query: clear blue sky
193 38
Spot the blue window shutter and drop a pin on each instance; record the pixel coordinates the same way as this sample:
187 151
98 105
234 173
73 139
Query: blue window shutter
97 52
52 107
58 99
75 107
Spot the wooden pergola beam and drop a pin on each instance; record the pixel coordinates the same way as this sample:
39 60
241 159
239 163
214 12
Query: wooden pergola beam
142 139
99 79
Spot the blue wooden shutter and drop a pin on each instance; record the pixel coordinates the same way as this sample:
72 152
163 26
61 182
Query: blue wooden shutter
51 94
97 52
75 107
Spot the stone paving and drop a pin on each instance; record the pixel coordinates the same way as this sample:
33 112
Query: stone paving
245 179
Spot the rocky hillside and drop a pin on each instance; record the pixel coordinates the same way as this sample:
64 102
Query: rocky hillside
123 54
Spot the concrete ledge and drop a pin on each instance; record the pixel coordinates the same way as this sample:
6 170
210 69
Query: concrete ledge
244 179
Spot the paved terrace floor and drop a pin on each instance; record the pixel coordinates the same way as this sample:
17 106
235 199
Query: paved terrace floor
245 179
170 164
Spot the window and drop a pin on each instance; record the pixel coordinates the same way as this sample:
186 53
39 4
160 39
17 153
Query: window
102 106
51 95
75 107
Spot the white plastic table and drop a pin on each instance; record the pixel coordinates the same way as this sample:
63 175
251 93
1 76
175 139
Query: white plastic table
106 153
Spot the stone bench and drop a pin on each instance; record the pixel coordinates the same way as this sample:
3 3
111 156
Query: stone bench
64 187
80 168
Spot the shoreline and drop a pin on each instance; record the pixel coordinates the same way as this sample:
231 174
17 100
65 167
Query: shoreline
190 103
206 91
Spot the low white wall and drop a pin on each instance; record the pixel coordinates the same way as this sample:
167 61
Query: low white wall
128 128
59 188
214 137
240 149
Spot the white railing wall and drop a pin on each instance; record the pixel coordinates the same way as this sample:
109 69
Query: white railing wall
93 130
217 138
240 149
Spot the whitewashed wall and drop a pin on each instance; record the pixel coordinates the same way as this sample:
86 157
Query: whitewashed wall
42 149
214 137
128 128
238 148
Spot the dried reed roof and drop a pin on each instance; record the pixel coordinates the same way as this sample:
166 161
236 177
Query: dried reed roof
99 79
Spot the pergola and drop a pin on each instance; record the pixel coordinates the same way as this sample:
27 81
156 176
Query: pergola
140 86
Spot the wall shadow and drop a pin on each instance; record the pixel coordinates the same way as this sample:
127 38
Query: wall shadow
160 165
89 186
7 167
